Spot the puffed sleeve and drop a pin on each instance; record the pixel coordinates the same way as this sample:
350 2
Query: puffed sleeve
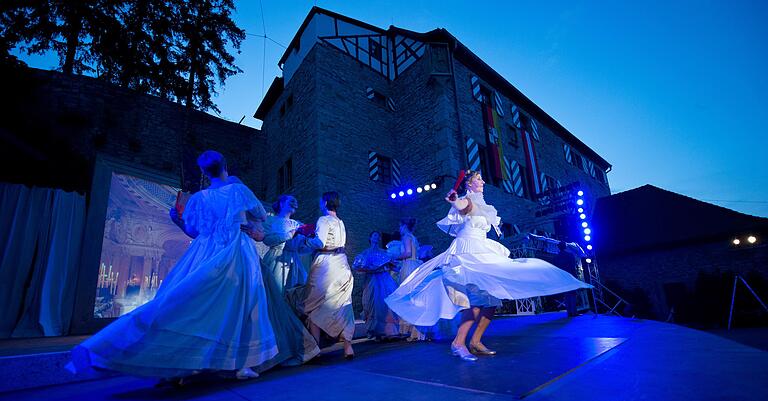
451 224
193 212
276 233
242 199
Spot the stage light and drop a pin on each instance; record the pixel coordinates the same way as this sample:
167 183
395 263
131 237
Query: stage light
584 224
434 186
589 247
393 195
580 193
427 187
587 238
582 216
409 192
751 239
401 193
419 189
580 202
587 231
588 260
581 210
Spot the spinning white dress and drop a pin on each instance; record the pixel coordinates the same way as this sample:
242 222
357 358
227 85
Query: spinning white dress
210 312
438 288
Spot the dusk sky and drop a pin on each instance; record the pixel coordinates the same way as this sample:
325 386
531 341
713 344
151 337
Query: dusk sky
674 95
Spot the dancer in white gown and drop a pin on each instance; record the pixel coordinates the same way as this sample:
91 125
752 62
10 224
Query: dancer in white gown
283 261
473 274
210 313
409 262
380 322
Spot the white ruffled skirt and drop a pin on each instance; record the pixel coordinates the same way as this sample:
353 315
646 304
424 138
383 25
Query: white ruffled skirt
438 288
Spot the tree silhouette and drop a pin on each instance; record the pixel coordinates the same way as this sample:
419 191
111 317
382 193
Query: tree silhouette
175 49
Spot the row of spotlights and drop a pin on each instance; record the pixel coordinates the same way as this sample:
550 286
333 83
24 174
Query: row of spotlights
409 191
751 239
584 224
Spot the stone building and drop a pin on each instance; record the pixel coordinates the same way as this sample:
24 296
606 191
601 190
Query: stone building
674 257
370 112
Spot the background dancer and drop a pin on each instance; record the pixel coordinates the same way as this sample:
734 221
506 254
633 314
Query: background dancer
327 297
282 261
376 263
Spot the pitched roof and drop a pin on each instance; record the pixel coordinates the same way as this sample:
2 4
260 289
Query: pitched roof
649 217
463 54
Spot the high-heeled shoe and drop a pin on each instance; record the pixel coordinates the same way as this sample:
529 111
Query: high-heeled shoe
480 349
462 353
246 374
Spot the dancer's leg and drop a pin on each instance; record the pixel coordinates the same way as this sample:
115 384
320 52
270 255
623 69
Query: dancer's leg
468 318
459 344
349 353
315 331
486 314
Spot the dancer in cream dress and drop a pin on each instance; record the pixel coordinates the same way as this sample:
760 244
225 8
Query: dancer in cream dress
326 299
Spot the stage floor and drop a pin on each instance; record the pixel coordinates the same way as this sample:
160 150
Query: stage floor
544 357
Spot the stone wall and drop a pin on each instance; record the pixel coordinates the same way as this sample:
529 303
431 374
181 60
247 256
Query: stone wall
646 274
54 125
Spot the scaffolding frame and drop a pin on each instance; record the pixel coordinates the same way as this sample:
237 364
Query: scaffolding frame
533 243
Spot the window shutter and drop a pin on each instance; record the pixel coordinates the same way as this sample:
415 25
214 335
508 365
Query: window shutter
476 89
395 172
473 154
373 166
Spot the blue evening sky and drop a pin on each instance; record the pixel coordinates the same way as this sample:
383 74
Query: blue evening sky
673 94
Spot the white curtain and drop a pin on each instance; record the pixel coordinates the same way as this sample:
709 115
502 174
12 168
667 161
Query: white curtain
41 232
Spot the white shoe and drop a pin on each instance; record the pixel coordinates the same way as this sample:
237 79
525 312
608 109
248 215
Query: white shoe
462 353
246 374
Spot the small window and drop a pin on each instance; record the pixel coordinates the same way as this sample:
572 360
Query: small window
375 49
385 169
289 102
527 190
577 160
600 175
375 95
486 165
511 131
285 177
551 182
282 109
